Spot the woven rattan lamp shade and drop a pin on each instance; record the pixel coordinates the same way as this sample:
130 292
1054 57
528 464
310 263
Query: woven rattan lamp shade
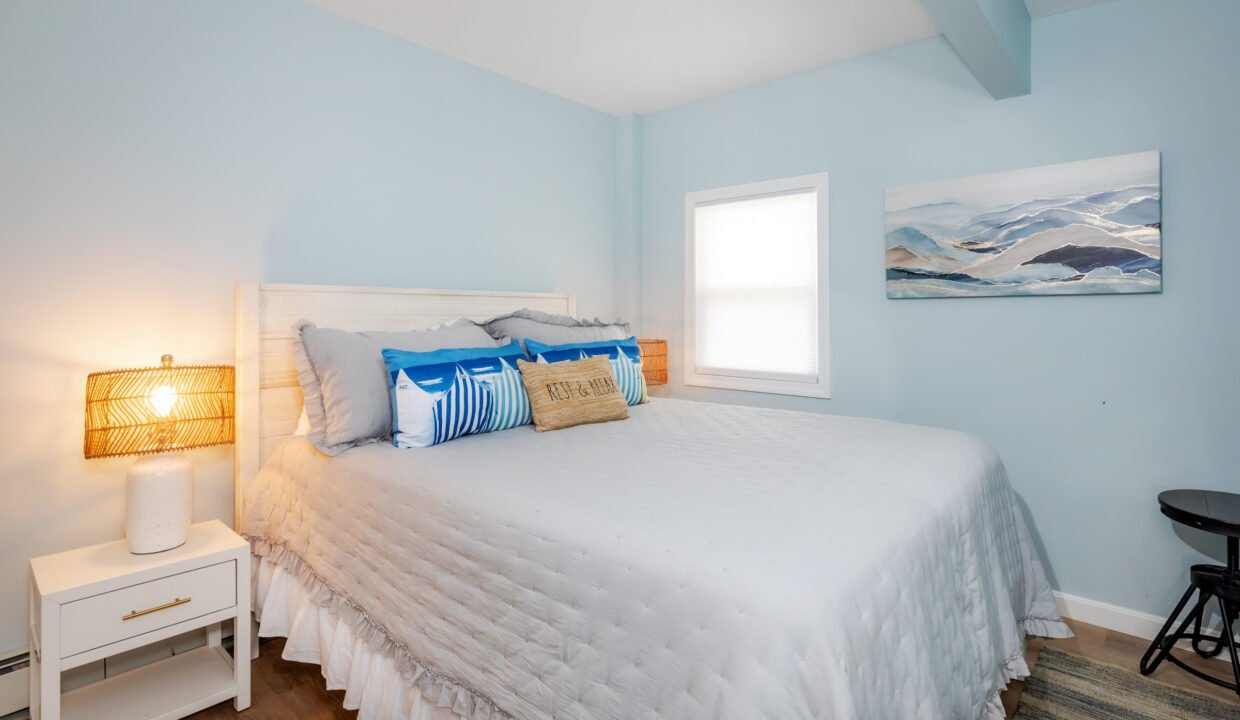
654 361
158 409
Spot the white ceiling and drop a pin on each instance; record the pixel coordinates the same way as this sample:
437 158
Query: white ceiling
624 56
641 56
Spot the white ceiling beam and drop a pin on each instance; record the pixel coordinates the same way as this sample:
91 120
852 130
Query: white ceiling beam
992 37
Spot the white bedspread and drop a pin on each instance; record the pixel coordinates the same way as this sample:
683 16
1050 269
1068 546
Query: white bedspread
693 561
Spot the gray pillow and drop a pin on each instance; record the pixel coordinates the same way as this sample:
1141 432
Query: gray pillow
553 329
344 381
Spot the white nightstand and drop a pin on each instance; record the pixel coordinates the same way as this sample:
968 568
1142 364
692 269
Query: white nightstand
98 601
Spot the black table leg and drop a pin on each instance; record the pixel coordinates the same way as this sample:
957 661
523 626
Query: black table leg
1198 637
1162 644
1229 635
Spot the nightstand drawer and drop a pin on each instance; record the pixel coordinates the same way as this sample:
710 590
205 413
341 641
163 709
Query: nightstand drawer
103 619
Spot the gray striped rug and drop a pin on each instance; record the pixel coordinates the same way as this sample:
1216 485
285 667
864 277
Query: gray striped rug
1069 687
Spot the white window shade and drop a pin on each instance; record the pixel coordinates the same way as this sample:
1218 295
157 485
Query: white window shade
756 301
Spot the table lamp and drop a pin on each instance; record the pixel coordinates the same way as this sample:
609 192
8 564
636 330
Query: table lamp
157 412
654 361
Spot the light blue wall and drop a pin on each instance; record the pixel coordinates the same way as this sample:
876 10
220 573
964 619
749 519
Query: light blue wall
1095 403
155 152
626 273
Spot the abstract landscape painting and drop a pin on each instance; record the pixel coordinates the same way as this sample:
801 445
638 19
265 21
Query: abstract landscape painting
1086 227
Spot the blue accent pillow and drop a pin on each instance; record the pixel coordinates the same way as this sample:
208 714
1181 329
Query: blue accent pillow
441 395
625 356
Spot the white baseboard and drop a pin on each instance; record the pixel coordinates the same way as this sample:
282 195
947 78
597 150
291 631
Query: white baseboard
1111 617
1114 617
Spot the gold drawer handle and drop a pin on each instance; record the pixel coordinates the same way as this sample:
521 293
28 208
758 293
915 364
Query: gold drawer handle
157 608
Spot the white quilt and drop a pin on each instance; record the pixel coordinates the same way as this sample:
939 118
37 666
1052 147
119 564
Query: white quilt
693 561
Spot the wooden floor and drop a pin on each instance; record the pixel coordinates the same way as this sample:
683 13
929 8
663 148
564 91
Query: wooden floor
1124 651
285 690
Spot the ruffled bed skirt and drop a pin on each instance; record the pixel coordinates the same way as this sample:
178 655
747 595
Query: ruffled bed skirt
373 685
286 604
1015 667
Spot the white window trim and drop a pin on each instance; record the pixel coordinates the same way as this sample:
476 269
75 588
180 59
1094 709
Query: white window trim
756 381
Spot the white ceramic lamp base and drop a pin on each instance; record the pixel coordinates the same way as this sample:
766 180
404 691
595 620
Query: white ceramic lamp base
159 503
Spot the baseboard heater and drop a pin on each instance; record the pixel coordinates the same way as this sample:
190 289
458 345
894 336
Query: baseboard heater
14 681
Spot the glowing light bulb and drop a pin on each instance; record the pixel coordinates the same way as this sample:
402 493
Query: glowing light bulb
162 399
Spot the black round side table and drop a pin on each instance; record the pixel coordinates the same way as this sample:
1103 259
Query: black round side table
1215 512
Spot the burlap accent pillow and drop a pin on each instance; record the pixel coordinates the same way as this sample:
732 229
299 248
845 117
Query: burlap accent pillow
565 394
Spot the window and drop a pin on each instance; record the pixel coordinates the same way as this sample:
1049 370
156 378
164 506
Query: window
756 279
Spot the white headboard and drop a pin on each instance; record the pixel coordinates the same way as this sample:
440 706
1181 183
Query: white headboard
268 396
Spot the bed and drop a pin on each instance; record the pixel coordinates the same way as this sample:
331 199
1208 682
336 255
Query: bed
693 561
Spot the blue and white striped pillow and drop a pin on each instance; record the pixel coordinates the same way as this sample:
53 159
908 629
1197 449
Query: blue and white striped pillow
625 356
444 394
